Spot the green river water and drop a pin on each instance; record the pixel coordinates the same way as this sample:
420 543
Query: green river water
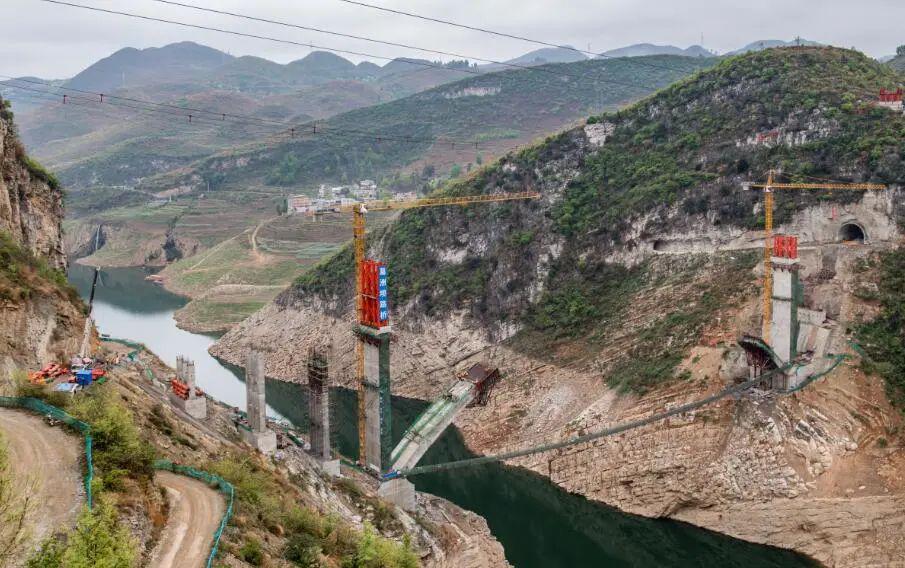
538 524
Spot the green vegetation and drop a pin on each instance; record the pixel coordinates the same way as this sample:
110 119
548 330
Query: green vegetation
898 62
119 450
686 138
38 171
121 456
577 302
98 541
22 274
686 148
519 109
6 112
883 339
311 537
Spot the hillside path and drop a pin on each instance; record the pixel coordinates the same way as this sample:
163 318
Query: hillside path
48 458
195 513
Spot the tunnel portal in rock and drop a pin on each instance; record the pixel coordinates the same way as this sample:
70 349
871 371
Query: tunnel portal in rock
852 232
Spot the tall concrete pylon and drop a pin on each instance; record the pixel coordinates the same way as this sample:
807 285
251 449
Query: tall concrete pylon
786 290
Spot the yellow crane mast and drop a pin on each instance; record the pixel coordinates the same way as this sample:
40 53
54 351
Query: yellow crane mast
358 211
769 187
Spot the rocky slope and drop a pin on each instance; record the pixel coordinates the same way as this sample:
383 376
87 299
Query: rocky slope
621 291
41 319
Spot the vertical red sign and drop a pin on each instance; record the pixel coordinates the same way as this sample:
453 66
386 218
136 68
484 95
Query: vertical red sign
375 313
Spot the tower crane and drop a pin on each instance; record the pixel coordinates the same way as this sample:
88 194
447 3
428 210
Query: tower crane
769 187
358 211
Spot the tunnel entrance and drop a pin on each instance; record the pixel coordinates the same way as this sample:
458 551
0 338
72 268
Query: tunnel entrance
852 232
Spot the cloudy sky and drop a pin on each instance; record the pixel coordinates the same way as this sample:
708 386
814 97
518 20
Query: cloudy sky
54 41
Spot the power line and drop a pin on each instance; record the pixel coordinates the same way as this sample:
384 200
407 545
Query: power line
261 37
540 69
342 34
493 32
300 131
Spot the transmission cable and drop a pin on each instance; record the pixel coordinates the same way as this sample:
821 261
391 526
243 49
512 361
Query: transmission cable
542 69
494 32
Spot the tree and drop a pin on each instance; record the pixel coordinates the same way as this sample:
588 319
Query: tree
14 508
98 541
455 170
900 51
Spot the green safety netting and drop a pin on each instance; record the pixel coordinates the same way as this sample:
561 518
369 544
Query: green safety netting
41 407
224 486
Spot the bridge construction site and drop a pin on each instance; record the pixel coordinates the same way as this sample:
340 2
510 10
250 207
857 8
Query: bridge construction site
797 345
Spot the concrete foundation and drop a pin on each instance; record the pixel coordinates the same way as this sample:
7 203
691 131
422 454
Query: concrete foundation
400 492
264 442
330 467
195 406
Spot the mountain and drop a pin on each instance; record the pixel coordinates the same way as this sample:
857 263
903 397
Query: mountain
74 139
621 291
897 63
26 101
643 49
130 67
771 43
496 110
549 55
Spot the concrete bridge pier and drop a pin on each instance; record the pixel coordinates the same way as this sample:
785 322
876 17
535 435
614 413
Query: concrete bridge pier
258 435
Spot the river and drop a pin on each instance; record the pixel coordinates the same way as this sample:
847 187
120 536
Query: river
538 524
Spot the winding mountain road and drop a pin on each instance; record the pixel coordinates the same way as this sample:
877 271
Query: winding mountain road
47 459
195 513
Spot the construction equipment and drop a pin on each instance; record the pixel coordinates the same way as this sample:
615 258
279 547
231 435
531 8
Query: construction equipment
358 211
83 349
769 187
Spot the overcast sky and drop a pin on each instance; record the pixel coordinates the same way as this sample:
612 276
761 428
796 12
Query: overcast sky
54 41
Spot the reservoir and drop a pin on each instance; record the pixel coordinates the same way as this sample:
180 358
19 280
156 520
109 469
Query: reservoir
538 524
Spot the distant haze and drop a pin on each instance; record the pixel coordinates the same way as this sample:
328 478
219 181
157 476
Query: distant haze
53 41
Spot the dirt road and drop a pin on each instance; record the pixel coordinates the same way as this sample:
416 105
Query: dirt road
48 458
195 513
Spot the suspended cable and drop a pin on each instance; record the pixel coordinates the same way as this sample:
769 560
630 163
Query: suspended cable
541 69
496 33
368 39
261 37
299 131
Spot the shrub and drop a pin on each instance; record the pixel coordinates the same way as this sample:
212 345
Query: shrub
252 552
98 541
303 549
119 451
38 171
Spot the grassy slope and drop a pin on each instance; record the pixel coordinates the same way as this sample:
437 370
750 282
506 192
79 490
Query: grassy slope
522 105
677 148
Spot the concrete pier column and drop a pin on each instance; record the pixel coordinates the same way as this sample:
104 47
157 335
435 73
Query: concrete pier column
258 435
378 414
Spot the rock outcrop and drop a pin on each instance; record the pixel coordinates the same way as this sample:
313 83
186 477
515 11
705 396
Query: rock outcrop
40 318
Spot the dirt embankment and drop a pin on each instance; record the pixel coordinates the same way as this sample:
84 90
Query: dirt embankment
46 465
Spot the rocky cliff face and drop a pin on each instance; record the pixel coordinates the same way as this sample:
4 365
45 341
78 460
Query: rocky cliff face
41 319
31 210
621 292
